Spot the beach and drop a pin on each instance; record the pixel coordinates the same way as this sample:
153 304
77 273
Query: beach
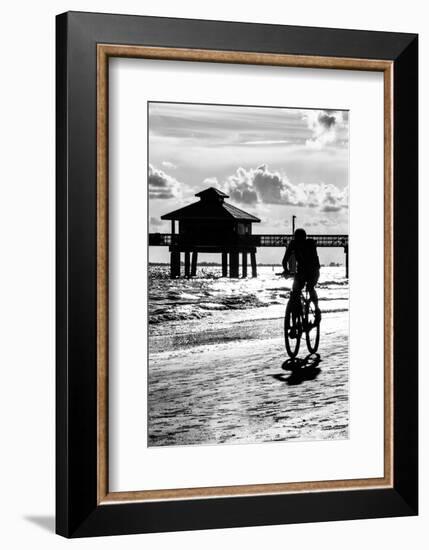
218 369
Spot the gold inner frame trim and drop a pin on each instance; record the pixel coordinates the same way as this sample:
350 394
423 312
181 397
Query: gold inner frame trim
104 52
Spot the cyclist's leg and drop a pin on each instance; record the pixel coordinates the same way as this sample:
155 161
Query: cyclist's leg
297 286
295 296
313 294
311 283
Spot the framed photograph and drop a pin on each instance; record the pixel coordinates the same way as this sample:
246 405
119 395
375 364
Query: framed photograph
236 274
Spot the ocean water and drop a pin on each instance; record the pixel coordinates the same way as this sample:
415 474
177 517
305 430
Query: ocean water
211 299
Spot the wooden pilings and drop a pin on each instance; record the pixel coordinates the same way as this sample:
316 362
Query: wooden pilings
174 264
194 263
187 264
233 264
244 263
224 264
230 262
253 262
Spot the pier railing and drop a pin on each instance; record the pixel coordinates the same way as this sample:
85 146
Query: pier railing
168 239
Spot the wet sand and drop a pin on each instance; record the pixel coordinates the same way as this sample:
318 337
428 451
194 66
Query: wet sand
233 383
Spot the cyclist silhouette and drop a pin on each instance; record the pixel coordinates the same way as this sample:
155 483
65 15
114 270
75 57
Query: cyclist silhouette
308 267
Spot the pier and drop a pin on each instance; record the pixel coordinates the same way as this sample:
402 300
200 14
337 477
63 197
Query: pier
215 226
248 244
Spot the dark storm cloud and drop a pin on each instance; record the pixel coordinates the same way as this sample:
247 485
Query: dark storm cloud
329 128
326 119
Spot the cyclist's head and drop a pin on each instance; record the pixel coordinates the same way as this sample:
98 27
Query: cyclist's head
300 235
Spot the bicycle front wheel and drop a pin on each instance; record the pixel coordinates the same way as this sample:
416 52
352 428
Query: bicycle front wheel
312 327
292 330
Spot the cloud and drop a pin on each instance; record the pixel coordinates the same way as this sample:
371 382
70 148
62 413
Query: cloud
169 165
211 125
240 186
260 185
327 127
155 221
333 199
275 188
211 182
265 142
161 185
323 222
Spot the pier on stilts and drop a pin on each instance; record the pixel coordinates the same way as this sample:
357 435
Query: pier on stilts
212 225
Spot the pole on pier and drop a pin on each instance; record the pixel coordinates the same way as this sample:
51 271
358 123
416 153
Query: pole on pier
194 263
224 264
233 264
187 264
253 262
346 252
174 264
244 263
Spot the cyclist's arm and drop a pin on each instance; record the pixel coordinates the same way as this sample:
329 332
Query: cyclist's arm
287 256
315 254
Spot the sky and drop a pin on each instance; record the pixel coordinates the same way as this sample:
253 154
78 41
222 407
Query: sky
273 162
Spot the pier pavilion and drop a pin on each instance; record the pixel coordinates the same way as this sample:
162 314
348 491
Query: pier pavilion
215 226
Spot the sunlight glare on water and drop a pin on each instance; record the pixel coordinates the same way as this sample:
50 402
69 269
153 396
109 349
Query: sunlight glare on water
208 294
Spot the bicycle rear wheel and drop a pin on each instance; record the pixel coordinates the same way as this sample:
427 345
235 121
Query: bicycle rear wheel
292 330
312 328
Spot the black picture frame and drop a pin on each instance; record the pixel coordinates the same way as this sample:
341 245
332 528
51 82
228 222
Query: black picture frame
78 513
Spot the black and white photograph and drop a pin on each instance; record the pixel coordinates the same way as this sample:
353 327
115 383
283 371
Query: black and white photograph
213 282
248 274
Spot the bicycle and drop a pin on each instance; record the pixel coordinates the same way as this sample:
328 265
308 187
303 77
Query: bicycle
300 316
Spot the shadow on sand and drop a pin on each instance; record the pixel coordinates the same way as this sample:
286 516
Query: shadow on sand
301 369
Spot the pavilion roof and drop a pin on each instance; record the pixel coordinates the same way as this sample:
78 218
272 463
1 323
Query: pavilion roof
211 206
